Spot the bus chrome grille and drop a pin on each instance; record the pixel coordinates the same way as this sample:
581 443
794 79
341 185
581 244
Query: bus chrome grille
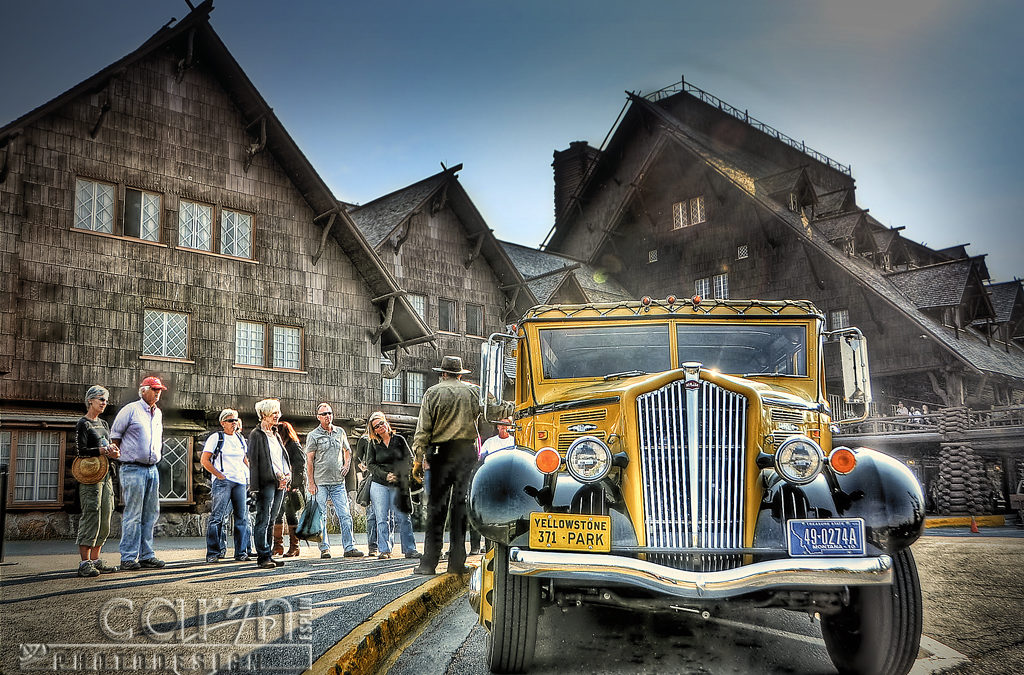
692 451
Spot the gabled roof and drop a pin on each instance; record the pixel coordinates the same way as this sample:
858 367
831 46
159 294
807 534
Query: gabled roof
791 181
1005 297
885 239
840 226
545 273
209 51
740 169
832 202
383 216
938 285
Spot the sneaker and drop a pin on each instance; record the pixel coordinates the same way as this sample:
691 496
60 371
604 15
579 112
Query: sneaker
210 559
372 550
383 556
414 555
86 569
130 565
423 569
266 564
354 553
151 563
325 554
104 567
243 558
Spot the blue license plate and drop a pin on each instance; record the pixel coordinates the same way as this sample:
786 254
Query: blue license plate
826 537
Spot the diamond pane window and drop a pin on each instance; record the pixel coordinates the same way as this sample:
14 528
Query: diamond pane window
287 347
195 225
414 387
652 255
679 216
174 470
165 334
742 252
838 318
419 303
37 466
249 344
141 214
236 234
696 210
721 286
94 206
391 389
702 287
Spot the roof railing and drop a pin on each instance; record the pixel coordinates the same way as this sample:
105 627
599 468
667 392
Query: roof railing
744 115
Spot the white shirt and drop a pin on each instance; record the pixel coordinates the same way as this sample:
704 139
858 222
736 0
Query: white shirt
495 443
278 457
231 461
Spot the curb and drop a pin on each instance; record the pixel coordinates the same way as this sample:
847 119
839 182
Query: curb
363 650
965 521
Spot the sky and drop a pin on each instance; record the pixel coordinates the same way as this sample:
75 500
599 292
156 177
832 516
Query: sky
923 98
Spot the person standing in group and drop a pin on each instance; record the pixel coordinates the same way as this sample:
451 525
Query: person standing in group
225 456
329 460
294 496
359 458
97 499
390 462
269 474
137 435
503 439
445 439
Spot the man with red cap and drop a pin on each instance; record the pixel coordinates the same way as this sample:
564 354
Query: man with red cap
137 432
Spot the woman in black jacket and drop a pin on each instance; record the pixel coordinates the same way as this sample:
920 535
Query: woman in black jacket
294 496
269 475
389 460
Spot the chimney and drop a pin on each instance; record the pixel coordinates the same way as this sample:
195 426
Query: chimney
570 167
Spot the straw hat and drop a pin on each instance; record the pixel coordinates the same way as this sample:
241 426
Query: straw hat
89 470
452 365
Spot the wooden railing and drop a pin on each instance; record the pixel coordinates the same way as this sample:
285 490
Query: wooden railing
990 418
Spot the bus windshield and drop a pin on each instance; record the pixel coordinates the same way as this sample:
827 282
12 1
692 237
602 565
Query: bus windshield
750 350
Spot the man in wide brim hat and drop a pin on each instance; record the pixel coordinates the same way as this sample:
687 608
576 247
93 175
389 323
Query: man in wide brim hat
452 365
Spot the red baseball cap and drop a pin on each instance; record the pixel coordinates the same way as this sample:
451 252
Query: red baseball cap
153 383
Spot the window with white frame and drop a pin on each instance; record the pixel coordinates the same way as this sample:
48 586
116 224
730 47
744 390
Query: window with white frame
287 348
652 255
175 470
415 384
141 214
474 319
742 252
235 233
195 225
391 389
702 287
165 334
447 319
36 470
720 286
268 346
94 206
688 212
838 318
250 343
419 303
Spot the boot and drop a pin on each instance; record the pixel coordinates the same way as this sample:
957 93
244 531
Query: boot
293 545
278 540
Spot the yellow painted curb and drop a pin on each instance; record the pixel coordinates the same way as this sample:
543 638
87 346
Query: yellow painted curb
965 521
363 650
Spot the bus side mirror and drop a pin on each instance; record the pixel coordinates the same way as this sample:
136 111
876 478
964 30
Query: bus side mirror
492 371
853 352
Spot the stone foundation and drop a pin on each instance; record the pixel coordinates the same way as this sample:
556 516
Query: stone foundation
61 525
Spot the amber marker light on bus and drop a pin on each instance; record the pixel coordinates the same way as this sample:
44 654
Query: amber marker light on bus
842 460
548 460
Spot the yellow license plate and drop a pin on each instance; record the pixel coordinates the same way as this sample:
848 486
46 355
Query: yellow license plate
570 532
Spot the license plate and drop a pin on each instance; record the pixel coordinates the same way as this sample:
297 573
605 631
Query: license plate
570 532
826 537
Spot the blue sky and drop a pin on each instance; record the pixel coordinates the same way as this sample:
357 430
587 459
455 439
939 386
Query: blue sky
922 97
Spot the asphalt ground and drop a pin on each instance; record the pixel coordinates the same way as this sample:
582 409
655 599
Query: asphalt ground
348 614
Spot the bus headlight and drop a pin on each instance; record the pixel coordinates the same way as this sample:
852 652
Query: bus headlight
588 459
799 460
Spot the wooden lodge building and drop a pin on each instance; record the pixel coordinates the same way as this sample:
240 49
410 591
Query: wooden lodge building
693 196
159 220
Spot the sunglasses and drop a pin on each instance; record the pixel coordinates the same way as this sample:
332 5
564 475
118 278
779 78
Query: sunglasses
101 400
380 425
233 420
324 414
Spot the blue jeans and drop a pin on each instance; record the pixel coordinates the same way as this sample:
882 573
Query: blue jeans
383 497
268 503
371 524
228 497
140 491
339 497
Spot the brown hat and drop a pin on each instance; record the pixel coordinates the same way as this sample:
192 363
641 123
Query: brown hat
452 365
89 470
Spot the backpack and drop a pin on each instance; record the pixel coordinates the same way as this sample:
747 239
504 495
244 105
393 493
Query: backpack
220 445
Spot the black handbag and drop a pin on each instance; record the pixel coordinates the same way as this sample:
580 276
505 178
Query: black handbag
363 493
